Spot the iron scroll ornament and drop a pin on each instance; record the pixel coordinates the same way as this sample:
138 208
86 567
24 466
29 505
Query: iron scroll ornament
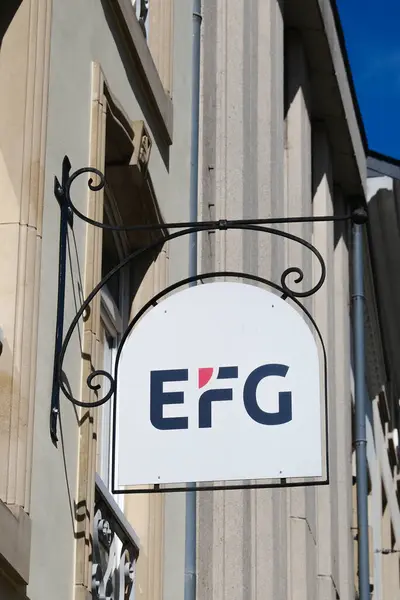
68 209
283 288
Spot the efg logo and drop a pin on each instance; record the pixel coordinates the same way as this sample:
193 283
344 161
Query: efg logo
232 393
159 397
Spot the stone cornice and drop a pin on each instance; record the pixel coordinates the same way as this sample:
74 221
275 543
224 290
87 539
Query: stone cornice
130 33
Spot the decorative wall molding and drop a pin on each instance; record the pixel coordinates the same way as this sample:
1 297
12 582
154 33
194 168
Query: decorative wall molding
91 347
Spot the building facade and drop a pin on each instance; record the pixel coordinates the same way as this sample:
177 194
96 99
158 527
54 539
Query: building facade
108 83
96 83
383 418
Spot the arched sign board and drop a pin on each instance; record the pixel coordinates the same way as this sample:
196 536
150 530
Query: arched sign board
218 382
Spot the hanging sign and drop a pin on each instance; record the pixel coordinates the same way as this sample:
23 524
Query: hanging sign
219 382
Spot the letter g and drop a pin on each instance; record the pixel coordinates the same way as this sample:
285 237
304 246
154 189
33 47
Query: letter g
284 414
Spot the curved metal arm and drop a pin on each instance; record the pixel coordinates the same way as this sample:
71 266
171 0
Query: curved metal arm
203 225
283 288
93 187
292 270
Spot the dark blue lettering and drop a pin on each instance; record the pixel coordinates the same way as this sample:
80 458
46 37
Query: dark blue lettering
205 404
284 414
228 373
158 398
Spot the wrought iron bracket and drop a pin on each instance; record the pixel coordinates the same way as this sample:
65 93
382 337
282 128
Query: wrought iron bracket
68 211
66 219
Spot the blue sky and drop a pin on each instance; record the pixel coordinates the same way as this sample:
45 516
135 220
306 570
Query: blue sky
372 32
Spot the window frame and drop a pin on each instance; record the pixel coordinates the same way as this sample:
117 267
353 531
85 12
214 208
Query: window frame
113 321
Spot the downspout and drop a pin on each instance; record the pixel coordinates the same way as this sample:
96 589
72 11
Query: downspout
359 220
191 508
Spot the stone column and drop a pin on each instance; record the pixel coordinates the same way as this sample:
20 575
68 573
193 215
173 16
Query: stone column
24 69
301 501
342 473
242 532
327 523
91 350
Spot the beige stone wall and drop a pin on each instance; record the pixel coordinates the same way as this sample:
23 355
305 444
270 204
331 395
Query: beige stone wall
242 547
258 158
26 50
300 513
160 40
24 65
63 477
24 71
91 350
262 158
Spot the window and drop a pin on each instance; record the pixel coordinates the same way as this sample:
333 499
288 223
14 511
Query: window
129 197
114 315
141 8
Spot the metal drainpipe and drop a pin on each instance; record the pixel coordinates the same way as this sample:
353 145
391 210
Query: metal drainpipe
359 219
191 508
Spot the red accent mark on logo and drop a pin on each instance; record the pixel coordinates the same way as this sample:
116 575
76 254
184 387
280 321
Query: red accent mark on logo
205 375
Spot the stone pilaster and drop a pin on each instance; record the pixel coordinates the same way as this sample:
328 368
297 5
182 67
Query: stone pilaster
327 522
24 70
90 348
242 534
298 193
342 475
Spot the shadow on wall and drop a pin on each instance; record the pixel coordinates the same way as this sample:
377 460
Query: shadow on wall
12 586
8 8
384 230
10 593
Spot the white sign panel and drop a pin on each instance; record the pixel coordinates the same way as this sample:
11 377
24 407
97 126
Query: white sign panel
218 382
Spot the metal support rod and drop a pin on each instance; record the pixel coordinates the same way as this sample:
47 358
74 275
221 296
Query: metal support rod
207 225
66 215
191 497
359 219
